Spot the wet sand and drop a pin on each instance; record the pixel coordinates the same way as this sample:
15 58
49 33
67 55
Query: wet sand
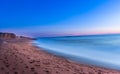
21 57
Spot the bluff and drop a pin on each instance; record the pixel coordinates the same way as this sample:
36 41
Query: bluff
7 35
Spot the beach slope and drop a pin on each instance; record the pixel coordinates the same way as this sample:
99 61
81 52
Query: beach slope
21 57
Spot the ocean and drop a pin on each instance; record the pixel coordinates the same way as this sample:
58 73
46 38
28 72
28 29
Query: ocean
99 50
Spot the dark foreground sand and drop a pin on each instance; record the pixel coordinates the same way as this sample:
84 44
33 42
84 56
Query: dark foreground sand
21 57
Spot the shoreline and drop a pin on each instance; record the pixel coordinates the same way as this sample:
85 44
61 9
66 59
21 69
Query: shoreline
22 57
81 60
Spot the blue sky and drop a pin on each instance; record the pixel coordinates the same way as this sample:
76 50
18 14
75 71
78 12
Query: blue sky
60 17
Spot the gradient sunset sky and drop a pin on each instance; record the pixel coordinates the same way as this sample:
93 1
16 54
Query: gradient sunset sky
60 17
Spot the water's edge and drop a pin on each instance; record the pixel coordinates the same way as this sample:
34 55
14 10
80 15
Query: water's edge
100 51
82 60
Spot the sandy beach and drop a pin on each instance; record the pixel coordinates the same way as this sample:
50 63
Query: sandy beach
22 57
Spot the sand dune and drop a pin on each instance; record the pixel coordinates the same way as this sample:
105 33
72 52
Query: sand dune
21 57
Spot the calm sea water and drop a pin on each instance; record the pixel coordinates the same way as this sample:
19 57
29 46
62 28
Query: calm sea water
100 50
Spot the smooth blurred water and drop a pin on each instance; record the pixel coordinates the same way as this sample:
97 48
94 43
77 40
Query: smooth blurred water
101 50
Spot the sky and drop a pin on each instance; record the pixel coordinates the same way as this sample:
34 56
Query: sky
59 17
